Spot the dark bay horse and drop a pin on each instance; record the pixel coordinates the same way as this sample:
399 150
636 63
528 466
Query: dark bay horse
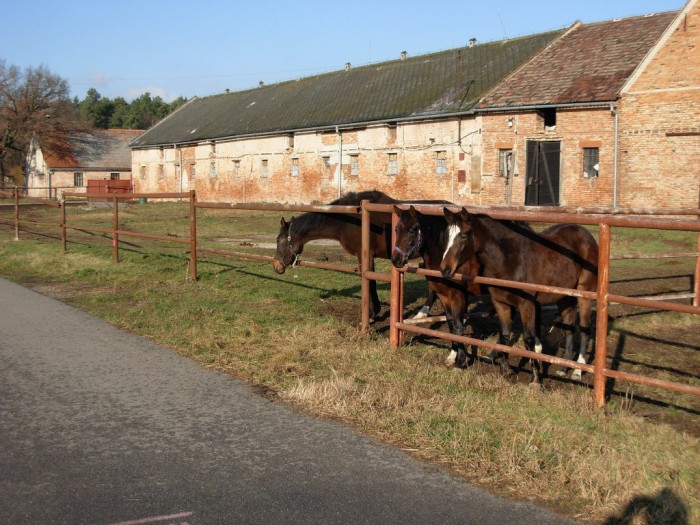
564 255
425 235
344 228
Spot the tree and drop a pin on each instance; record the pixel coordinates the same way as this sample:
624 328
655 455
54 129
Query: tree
33 102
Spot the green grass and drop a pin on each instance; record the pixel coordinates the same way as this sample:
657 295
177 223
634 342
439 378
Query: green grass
285 334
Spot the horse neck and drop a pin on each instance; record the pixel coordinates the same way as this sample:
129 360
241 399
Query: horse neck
433 234
325 228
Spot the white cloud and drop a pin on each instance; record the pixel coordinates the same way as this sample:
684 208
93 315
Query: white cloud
155 91
99 79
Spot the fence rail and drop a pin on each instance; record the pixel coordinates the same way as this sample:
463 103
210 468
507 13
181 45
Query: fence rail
588 216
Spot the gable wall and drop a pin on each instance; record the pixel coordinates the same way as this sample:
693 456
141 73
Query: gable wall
660 123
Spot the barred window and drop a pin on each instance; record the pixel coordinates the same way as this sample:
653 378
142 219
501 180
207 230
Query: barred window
505 162
114 176
393 167
295 166
440 162
590 162
78 179
354 165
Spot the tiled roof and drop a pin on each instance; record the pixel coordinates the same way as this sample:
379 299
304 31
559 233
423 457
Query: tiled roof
97 149
426 85
590 63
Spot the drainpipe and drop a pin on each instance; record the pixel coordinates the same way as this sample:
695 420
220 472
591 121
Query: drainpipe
613 111
340 160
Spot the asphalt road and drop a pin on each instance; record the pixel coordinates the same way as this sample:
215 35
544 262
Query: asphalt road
99 426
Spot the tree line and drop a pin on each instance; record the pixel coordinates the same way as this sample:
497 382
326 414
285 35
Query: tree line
34 102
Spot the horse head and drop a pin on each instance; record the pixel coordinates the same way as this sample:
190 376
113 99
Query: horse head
288 248
460 241
409 237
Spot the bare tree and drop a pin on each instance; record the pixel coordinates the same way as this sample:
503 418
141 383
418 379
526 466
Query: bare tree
33 103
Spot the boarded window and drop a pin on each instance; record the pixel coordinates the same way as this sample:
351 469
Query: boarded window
354 165
78 179
505 162
590 162
440 162
264 169
393 166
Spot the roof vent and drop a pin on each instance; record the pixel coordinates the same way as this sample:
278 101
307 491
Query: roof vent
261 83
404 54
472 42
347 66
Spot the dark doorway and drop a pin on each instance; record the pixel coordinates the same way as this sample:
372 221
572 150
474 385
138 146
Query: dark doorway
542 183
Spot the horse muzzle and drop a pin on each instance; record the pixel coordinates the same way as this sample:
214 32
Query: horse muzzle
279 266
446 272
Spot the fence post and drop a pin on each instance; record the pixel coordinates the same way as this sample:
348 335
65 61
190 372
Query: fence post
396 304
696 287
193 236
601 323
63 224
364 267
16 199
115 227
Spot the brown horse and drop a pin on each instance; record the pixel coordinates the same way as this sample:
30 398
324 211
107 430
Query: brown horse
418 233
344 228
564 255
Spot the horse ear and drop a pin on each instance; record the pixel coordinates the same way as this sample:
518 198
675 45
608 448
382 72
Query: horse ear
397 210
448 214
413 212
283 223
464 214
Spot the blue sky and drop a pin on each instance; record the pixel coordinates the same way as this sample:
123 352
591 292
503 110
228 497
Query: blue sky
178 48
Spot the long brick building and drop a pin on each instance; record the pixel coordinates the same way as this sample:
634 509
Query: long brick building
604 114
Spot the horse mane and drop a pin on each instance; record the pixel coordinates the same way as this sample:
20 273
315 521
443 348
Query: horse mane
312 221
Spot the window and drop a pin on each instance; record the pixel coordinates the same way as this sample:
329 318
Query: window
142 172
440 162
354 165
192 168
212 169
78 179
549 116
236 168
393 167
114 176
263 168
326 164
161 175
505 162
590 162
295 166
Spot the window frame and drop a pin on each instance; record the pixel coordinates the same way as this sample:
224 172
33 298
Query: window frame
392 163
590 165
78 176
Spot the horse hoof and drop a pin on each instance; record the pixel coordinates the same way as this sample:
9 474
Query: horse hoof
576 375
451 359
420 315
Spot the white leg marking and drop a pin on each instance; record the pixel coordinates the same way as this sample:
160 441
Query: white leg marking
538 346
451 236
576 374
451 358
422 313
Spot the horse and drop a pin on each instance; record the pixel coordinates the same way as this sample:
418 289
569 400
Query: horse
344 228
418 233
564 255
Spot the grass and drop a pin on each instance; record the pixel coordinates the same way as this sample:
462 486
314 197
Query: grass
283 333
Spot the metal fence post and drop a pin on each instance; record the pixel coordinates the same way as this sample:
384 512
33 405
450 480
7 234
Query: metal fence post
396 304
16 199
601 323
193 236
115 227
365 267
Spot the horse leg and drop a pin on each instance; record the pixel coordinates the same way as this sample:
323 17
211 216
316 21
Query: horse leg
505 321
568 318
457 309
374 304
528 314
429 301
585 307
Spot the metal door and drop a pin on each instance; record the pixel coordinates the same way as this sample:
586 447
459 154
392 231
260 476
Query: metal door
542 183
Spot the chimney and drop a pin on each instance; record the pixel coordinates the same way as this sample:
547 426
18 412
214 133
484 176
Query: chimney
347 66
472 42
403 55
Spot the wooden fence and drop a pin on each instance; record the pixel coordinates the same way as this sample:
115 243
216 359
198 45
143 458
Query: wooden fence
683 220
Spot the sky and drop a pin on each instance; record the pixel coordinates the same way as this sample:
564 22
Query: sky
169 49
